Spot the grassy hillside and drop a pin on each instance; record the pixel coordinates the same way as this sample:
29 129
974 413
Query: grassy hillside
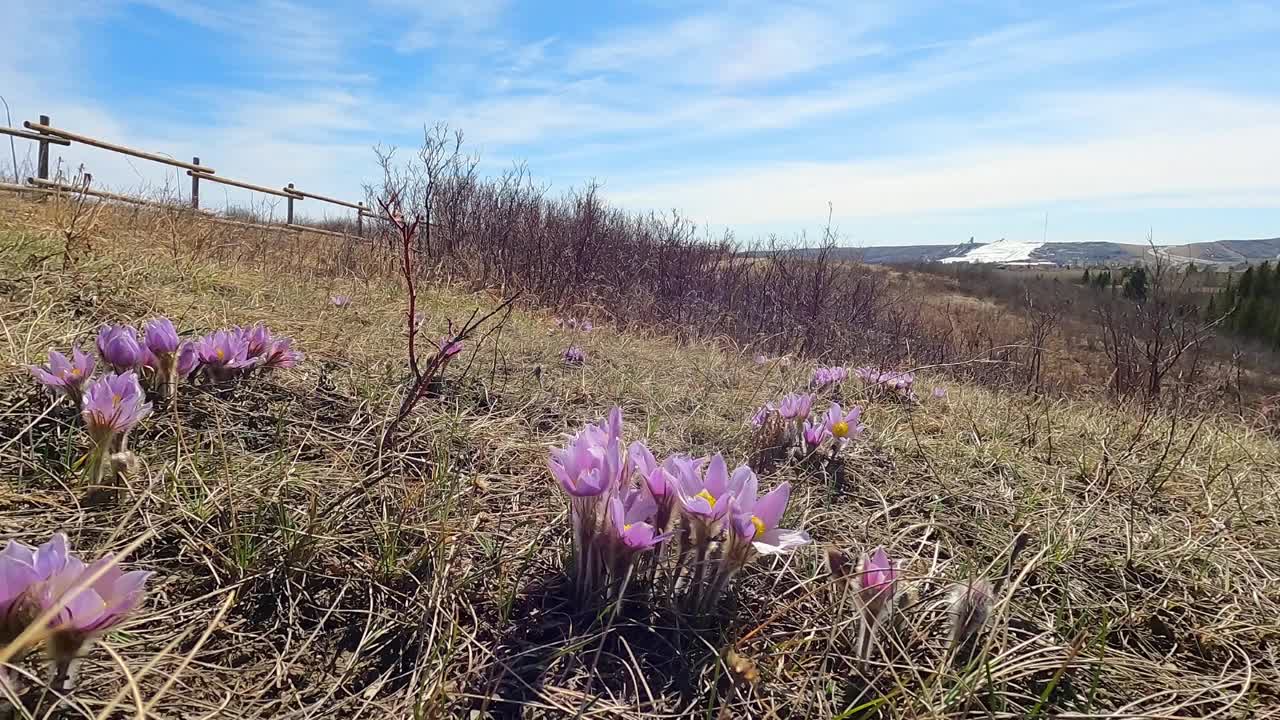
302 572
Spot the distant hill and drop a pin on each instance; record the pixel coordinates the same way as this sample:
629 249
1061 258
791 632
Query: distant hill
1218 253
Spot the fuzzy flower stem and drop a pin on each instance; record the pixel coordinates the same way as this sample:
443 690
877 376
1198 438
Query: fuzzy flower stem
699 567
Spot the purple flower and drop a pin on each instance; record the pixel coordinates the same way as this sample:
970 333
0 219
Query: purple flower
161 337
899 383
757 520
21 567
640 459
119 347
842 425
188 360
707 499
878 582
939 393
586 326
814 434
574 355
631 526
257 340
761 359
112 405
68 376
84 608
223 354
795 406
340 301
762 415
592 463
824 376
280 354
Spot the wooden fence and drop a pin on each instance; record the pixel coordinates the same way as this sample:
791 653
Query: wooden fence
45 134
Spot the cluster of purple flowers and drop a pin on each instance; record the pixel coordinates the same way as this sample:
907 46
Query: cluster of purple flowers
828 376
900 385
792 417
162 359
574 324
113 403
340 301
574 355
80 600
624 505
226 354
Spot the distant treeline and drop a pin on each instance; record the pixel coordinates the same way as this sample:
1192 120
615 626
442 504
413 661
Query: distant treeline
1253 303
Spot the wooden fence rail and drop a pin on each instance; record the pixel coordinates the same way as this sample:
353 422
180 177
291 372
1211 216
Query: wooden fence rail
45 134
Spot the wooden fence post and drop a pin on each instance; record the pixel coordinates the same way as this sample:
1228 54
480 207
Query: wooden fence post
195 186
289 221
360 220
42 166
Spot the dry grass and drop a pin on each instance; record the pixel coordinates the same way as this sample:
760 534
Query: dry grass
1148 586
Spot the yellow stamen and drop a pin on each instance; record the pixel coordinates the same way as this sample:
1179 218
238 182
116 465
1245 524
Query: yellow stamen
75 372
840 429
759 525
221 354
115 400
626 527
707 496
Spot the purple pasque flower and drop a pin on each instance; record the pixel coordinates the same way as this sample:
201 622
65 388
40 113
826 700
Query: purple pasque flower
762 415
257 339
795 406
756 520
68 376
112 405
223 354
21 566
814 434
824 376
188 360
340 301
939 393
631 526
762 359
878 581
586 326
842 425
706 499
899 383
161 337
640 459
592 463
161 348
84 606
661 481
574 355
280 354
119 347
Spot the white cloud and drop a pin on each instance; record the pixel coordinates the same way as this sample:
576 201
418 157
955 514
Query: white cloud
738 47
1164 154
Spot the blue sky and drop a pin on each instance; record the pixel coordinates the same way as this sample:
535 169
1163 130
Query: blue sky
908 122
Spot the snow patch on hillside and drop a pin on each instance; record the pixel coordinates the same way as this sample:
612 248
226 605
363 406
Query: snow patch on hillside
1001 251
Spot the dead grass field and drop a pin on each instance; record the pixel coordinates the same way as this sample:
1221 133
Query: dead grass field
1149 585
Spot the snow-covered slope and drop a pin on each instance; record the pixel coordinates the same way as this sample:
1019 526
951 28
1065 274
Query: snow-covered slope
1001 251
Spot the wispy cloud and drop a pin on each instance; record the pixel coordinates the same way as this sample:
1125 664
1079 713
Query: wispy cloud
752 115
